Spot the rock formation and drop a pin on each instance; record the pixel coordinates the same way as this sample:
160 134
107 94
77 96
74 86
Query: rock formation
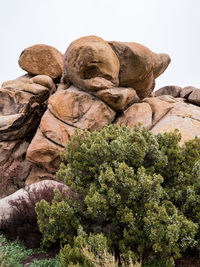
102 83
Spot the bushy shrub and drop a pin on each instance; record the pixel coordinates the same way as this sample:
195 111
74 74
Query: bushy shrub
137 191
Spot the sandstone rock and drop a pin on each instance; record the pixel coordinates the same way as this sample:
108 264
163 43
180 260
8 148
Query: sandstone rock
80 109
118 98
21 106
38 174
169 90
137 113
194 97
56 130
6 206
43 60
14 169
139 66
184 117
90 64
44 152
159 108
186 91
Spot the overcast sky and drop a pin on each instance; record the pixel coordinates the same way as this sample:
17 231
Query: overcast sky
168 26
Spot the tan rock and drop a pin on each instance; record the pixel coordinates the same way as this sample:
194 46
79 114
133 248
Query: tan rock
14 169
184 117
172 90
45 81
90 64
80 109
44 152
56 130
118 98
139 66
135 114
159 108
43 60
194 97
38 174
186 91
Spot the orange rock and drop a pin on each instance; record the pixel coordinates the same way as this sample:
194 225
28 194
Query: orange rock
90 64
43 60
139 66
137 113
44 152
118 98
80 109
56 130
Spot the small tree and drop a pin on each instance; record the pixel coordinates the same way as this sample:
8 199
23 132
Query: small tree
133 187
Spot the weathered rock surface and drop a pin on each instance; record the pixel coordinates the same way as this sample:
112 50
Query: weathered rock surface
118 98
22 103
43 60
137 113
80 109
44 152
169 90
194 97
91 64
68 110
139 66
184 117
186 91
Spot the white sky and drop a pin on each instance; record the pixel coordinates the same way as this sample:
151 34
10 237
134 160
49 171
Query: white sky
168 26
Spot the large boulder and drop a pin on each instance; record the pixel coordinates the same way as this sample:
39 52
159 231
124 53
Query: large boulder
139 66
80 109
68 110
42 59
90 63
172 90
6 208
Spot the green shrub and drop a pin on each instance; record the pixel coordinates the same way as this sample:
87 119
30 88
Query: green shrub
139 193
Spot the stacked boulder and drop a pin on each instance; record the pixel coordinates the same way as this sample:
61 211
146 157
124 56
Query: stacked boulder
94 84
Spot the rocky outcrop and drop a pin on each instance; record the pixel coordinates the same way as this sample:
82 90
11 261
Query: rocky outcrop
102 83
22 103
43 60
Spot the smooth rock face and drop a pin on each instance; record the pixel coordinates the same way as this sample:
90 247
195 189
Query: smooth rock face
118 98
44 152
169 90
6 207
137 113
184 117
56 130
80 109
90 64
159 108
186 91
43 60
139 66
194 97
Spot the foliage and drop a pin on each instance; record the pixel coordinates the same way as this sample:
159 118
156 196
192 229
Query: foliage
13 253
139 192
